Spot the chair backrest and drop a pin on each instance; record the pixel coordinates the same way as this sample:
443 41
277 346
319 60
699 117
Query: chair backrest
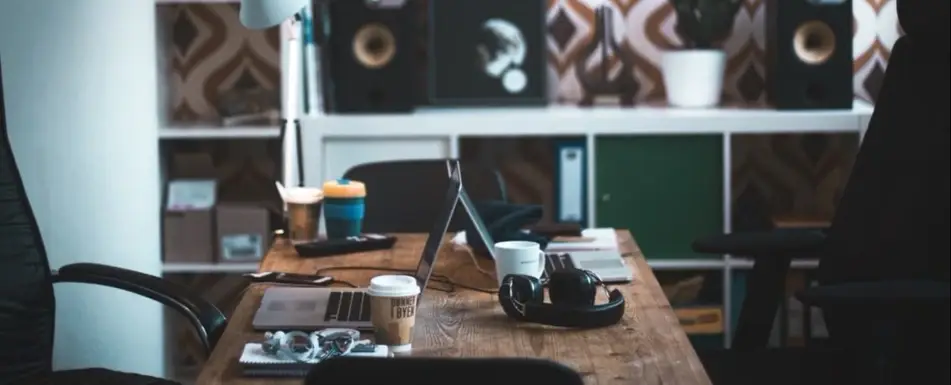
27 306
460 371
892 219
401 195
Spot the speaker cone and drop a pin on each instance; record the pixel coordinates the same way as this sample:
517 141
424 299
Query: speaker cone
814 42
374 45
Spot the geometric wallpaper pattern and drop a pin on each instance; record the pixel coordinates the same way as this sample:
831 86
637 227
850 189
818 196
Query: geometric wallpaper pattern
207 53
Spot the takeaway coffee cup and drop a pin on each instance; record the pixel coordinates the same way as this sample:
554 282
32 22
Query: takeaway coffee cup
344 208
393 310
303 213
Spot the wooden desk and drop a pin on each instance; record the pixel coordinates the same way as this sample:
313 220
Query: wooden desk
648 347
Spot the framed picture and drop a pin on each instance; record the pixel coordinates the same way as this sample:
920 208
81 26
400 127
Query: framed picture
487 53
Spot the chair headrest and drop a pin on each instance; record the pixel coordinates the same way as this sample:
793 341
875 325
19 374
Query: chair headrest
925 19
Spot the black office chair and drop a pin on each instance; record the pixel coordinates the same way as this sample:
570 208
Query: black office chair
884 261
439 371
402 195
27 306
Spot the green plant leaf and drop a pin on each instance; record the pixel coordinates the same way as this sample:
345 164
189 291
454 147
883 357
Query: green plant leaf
703 23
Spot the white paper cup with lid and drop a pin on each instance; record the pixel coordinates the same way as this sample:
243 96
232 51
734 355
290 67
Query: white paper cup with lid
393 310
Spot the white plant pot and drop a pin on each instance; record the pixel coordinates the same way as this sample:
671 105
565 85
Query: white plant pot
693 78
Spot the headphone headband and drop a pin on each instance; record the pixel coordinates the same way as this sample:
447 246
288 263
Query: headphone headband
522 297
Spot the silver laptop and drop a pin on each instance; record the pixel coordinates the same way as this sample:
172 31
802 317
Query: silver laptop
608 265
314 308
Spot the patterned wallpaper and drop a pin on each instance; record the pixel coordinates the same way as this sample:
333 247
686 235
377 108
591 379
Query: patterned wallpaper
645 29
207 53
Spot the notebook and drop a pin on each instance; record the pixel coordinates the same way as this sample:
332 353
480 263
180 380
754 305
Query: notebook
256 363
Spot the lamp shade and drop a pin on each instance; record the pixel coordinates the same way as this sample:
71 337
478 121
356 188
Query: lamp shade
260 14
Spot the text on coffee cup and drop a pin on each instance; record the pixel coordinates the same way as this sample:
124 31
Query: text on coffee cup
402 307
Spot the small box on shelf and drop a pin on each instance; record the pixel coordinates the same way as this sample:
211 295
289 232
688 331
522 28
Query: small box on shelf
241 232
188 214
187 222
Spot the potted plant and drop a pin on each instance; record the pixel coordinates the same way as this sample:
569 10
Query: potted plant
693 75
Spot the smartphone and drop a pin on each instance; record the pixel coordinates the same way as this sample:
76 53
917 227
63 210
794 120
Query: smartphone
289 278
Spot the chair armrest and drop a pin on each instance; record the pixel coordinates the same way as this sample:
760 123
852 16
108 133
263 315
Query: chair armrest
791 242
879 293
208 321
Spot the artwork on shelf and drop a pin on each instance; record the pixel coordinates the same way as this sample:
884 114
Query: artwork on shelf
492 54
603 83
215 66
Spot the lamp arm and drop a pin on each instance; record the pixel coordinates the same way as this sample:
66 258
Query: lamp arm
291 146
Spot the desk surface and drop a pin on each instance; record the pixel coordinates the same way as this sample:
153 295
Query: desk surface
648 347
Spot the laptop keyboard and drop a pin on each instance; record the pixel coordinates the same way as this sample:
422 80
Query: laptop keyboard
557 262
348 306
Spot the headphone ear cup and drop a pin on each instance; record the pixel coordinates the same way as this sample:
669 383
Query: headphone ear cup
522 289
536 288
572 288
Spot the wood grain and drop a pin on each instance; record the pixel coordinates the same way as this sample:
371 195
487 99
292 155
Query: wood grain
648 347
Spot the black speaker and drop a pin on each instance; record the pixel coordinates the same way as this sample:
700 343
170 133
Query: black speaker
809 54
371 55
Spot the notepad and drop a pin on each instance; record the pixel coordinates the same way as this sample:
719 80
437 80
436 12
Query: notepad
256 363
590 239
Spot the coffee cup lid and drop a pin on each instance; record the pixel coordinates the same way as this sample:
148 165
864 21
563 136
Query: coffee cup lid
344 188
303 195
393 286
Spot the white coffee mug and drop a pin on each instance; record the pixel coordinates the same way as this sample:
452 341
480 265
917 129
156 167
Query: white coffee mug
519 257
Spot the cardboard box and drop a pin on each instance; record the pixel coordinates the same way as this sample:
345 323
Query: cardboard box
700 320
188 220
241 232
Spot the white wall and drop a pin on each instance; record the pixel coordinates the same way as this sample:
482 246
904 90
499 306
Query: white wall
80 81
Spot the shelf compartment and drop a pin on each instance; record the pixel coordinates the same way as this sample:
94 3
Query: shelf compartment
666 189
527 165
790 323
796 176
696 298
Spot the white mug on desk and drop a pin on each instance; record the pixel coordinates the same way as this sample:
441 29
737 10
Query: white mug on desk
519 257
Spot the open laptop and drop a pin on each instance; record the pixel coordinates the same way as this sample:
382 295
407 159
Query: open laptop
608 265
314 308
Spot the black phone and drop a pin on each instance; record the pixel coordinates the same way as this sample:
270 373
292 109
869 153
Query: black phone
289 278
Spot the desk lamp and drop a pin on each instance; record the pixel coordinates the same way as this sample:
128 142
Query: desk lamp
262 14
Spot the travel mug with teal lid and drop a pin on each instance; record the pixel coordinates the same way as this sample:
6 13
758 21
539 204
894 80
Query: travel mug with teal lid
344 207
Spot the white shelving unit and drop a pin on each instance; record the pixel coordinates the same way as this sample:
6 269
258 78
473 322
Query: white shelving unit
210 132
337 142
209 268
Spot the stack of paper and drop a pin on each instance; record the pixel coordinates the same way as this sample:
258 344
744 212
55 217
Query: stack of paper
590 239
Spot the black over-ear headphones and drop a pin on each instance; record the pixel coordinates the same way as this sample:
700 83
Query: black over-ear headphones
572 295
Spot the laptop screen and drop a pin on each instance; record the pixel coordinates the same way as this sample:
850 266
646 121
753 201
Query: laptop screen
481 232
440 225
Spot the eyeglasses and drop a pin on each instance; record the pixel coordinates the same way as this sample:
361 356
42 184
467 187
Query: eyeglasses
318 346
